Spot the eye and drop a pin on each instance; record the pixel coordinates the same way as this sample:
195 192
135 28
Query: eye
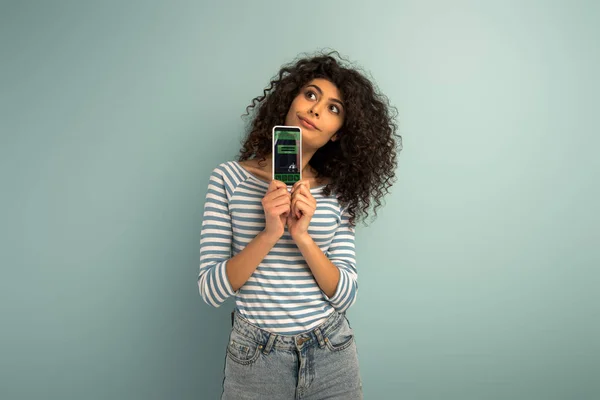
309 95
334 109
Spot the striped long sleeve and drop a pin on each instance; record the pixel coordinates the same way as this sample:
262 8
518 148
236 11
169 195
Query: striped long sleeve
342 254
281 295
215 242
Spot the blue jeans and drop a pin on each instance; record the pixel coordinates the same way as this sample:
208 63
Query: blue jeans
319 364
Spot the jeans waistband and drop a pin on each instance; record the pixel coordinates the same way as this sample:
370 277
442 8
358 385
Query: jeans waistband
267 340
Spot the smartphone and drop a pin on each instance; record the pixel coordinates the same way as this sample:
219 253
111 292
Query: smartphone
287 154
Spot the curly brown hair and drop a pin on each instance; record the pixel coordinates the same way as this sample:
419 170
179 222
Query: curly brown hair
361 164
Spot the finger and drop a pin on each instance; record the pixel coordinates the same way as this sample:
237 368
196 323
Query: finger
281 209
279 201
297 209
296 186
306 192
304 207
275 184
293 210
302 189
273 208
308 197
303 182
276 194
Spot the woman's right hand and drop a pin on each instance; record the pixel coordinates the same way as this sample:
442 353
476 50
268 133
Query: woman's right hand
276 204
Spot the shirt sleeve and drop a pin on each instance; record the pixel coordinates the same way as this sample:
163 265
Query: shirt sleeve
341 253
215 243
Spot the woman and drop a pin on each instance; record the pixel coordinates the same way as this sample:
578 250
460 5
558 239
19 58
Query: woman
287 253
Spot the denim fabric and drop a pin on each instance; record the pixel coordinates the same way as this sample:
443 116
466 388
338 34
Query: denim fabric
319 364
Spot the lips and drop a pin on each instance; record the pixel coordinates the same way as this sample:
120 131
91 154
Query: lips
307 122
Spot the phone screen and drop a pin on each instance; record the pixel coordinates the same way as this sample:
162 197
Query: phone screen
287 154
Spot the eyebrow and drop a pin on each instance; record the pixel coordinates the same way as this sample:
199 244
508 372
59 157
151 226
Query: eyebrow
321 93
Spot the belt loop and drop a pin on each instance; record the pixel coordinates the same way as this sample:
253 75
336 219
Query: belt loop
269 344
320 338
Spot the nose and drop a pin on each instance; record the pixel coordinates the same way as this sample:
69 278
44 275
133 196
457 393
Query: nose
313 112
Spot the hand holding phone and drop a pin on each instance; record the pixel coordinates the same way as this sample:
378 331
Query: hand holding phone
276 205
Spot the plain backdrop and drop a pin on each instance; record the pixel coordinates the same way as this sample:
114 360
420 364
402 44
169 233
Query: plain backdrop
478 279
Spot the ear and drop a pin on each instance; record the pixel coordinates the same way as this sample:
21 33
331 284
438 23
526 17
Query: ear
335 137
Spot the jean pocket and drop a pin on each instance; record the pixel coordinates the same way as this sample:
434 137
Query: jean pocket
340 338
242 350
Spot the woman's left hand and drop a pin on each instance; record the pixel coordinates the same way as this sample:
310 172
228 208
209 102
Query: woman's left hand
302 209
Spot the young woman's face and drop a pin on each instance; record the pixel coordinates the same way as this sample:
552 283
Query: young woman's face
319 110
